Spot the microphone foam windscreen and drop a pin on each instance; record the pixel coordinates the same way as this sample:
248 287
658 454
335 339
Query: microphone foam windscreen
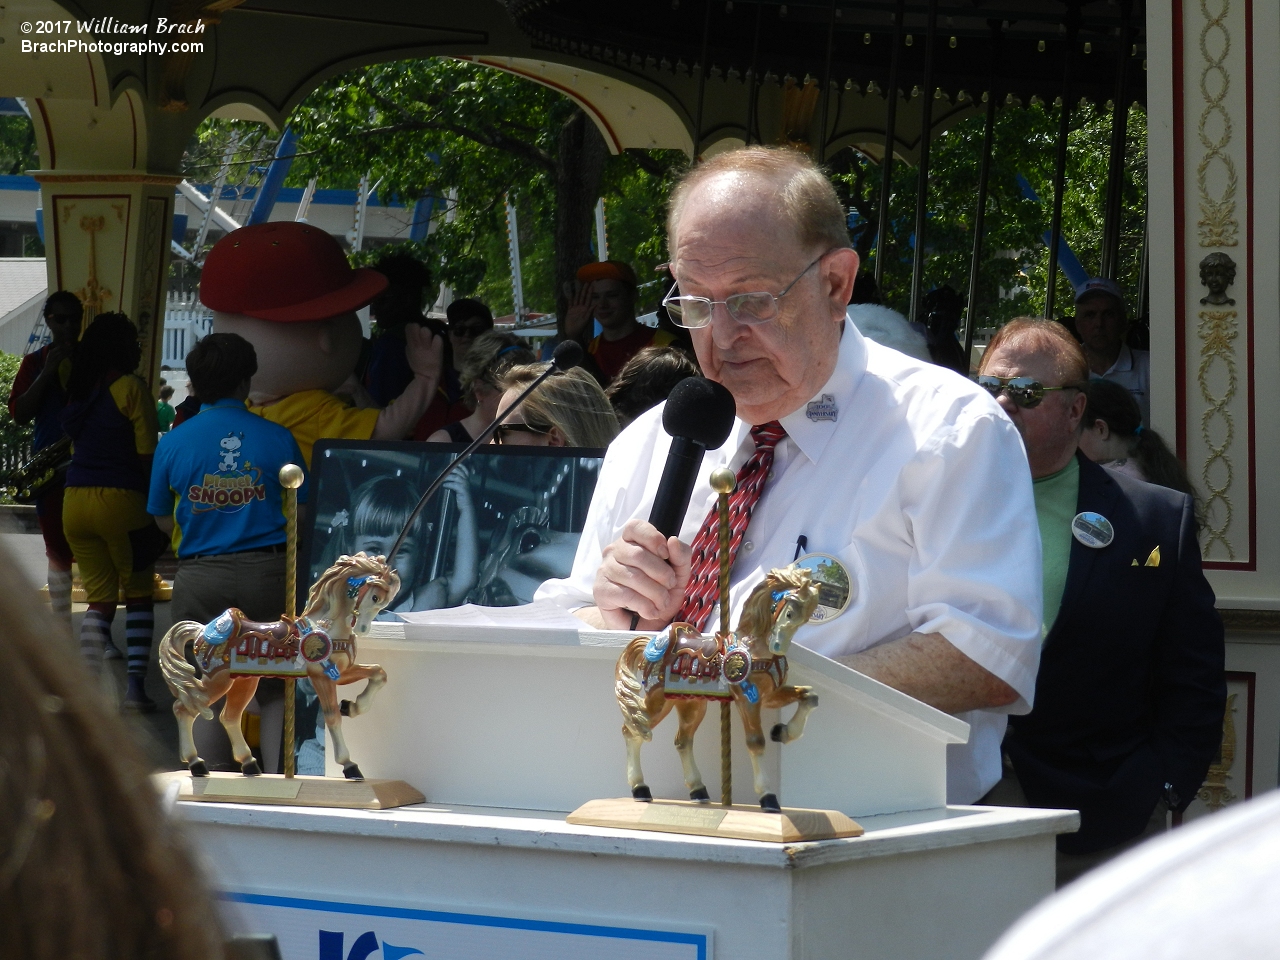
568 354
700 410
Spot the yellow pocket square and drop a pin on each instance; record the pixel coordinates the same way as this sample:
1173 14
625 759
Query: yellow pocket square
1154 559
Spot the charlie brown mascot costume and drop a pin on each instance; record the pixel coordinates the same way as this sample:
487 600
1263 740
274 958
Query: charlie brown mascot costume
287 288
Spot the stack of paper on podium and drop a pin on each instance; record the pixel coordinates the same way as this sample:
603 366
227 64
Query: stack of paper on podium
514 707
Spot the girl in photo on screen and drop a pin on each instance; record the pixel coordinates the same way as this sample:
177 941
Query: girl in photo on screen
381 506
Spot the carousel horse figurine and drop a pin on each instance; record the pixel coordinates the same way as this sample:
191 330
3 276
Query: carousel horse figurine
232 653
680 667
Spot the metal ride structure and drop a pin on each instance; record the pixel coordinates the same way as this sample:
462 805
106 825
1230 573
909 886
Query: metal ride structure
882 77
694 75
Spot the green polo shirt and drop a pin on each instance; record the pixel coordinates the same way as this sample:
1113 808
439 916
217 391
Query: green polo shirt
1056 499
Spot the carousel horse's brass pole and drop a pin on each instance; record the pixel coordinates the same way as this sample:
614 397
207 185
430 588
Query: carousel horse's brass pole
723 482
291 480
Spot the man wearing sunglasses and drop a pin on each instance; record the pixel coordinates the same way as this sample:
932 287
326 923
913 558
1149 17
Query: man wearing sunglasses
894 468
1130 696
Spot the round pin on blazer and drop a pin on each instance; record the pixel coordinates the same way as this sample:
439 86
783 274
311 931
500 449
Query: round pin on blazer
1092 529
835 586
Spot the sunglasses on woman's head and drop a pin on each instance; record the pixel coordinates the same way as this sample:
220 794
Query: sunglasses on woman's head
509 428
1026 392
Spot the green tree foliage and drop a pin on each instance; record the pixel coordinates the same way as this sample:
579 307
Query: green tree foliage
18 152
15 439
1015 259
448 128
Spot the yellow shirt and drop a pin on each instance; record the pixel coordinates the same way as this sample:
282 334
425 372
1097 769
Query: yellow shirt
312 415
135 401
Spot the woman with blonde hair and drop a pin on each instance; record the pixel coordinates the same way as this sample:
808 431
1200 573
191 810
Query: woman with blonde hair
567 410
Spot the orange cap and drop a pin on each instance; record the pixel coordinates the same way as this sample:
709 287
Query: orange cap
608 270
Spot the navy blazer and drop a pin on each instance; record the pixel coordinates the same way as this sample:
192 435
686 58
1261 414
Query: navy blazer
1131 691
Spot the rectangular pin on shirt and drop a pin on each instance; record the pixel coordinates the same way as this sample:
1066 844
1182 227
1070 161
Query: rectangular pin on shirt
1154 559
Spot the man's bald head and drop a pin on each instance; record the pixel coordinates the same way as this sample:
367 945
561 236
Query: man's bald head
773 181
764 221
1046 336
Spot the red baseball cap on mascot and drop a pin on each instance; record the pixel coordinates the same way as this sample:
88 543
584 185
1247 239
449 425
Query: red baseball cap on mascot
287 272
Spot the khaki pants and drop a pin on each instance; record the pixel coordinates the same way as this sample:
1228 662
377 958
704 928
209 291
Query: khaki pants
1008 793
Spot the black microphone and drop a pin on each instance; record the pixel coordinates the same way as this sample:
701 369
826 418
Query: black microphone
567 355
699 416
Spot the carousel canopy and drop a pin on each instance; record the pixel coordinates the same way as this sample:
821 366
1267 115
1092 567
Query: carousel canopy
1016 48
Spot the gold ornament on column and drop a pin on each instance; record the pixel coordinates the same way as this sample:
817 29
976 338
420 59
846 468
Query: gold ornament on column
1218 225
93 294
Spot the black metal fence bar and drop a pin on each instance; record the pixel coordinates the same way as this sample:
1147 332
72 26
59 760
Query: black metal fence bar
703 68
922 183
1113 214
979 221
1059 175
984 183
890 124
826 83
753 81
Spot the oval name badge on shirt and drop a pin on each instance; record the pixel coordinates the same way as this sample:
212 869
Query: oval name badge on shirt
1092 529
835 586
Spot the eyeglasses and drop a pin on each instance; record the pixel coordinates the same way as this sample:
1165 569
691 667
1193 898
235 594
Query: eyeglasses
508 428
749 308
1026 392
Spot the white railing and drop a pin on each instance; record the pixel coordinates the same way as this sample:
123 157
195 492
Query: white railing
186 320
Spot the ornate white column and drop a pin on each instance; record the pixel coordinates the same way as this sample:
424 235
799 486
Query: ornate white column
1216 373
108 221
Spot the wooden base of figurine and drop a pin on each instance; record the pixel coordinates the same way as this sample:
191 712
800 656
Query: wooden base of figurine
739 822
277 790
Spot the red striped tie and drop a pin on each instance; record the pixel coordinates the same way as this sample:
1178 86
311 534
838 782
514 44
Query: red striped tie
704 580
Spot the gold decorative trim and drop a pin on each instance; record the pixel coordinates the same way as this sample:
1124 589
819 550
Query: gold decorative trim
154 255
93 294
156 179
1214 793
1217 331
173 90
1218 225
1267 621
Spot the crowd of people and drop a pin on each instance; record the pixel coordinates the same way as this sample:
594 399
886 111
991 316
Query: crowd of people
1025 545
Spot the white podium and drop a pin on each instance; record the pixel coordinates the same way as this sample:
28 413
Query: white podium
505 738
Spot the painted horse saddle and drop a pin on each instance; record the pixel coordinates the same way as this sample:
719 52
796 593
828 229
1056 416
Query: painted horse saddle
245 641
278 639
687 640
687 662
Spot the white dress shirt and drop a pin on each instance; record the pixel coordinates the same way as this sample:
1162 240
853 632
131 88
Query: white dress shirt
919 486
1132 370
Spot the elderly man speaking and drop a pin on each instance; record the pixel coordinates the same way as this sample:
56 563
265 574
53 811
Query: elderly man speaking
904 473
